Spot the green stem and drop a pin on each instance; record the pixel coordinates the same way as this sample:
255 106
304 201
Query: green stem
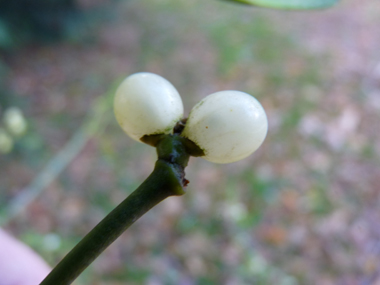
167 179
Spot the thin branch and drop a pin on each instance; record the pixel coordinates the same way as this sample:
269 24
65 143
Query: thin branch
95 123
167 179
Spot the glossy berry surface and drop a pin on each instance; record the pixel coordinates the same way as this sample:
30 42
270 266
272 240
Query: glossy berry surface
147 104
228 126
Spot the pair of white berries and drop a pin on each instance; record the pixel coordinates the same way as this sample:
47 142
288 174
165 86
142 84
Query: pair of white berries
227 125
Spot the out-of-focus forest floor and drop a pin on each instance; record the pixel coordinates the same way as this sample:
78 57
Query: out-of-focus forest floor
303 209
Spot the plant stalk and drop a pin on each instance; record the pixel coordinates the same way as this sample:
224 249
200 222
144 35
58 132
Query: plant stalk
167 179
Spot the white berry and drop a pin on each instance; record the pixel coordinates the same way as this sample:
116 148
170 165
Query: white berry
228 126
15 121
147 104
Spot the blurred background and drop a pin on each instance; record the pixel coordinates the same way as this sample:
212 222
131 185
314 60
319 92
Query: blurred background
303 209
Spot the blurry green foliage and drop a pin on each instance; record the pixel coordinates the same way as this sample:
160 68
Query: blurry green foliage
23 21
3 75
289 4
240 42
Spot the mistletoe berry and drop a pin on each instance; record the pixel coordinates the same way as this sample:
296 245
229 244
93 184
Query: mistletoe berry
147 104
228 126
